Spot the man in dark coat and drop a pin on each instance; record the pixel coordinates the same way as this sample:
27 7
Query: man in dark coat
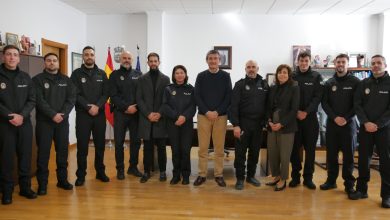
152 126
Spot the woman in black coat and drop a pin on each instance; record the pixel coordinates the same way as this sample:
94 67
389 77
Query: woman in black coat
179 109
282 109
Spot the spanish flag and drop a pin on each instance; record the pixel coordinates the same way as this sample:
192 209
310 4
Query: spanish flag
108 69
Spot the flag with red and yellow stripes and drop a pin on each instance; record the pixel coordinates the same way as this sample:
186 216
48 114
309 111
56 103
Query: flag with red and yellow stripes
108 68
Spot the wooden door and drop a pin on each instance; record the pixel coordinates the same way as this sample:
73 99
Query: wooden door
60 49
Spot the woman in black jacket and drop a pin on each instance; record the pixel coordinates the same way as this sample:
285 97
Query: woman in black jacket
282 109
179 109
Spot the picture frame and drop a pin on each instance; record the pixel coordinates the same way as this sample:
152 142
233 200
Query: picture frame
12 39
225 53
354 57
77 60
270 78
297 49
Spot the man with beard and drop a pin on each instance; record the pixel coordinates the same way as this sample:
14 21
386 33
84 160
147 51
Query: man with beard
92 93
372 105
152 126
341 124
123 89
56 97
309 82
247 114
17 100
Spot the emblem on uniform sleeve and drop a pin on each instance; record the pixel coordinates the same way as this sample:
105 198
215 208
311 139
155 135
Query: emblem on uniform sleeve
3 85
46 85
173 92
122 78
367 91
247 87
334 88
83 80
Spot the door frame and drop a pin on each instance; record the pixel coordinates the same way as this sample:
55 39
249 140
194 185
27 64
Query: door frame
63 48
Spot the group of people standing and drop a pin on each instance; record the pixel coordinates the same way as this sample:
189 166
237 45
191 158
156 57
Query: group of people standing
153 109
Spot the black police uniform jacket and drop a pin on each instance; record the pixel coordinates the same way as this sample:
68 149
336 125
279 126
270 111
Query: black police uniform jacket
55 94
123 87
150 100
17 94
179 100
92 87
372 101
248 103
338 97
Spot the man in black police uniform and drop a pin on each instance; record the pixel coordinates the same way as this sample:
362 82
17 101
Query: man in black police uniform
341 124
152 126
17 100
309 82
247 114
122 93
92 93
56 97
372 105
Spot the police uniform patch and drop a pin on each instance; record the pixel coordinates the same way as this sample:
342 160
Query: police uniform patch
367 91
334 88
173 92
47 85
83 80
3 86
122 78
247 87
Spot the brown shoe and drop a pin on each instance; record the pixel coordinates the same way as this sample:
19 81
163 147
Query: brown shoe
199 181
220 181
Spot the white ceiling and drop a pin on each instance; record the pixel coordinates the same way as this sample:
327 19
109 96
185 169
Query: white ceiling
271 7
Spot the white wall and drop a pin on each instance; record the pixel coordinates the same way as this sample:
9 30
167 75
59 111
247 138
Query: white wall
117 30
266 39
386 36
50 19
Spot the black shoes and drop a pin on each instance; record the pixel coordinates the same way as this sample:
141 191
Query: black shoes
42 190
185 181
280 188
328 186
386 203
120 174
294 183
220 181
357 195
309 184
65 185
102 177
145 178
28 193
253 181
163 176
175 180
134 171
199 181
79 182
6 199
239 185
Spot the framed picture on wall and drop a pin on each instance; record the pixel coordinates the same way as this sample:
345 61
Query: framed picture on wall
12 39
77 60
297 49
225 53
270 77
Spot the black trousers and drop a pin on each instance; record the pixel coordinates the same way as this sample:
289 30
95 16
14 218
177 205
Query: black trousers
148 153
381 139
344 139
250 141
15 141
122 122
181 143
46 132
306 136
85 124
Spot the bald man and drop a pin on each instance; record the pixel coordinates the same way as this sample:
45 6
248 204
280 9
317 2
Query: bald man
123 87
247 114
